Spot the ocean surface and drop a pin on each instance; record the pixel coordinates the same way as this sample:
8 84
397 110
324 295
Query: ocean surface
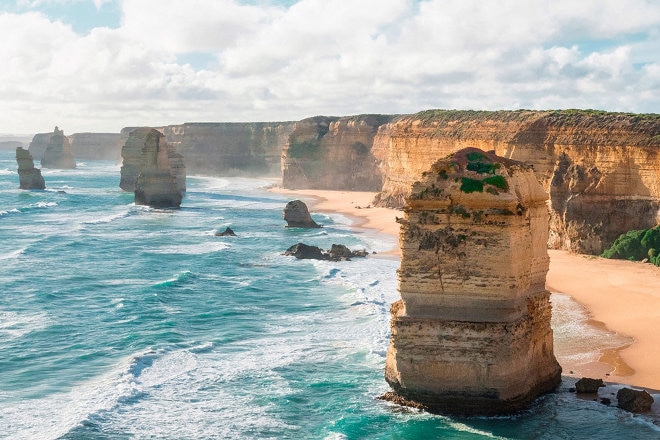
125 322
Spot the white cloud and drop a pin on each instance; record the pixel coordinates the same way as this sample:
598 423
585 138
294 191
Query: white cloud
326 57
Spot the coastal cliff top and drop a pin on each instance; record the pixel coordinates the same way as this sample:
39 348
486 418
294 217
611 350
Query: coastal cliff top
549 126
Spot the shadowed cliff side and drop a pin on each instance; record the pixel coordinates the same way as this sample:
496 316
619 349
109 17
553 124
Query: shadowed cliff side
333 153
471 333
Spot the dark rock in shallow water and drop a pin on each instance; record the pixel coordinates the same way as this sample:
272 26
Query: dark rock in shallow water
634 400
297 215
228 232
337 252
587 385
29 176
303 251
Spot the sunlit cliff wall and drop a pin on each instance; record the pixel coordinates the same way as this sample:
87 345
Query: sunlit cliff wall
602 170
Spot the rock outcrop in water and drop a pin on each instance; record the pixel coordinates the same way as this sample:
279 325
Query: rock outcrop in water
297 215
58 152
471 333
337 252
152 169
29 176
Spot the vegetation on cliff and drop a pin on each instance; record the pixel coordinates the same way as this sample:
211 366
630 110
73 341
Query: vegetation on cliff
636 245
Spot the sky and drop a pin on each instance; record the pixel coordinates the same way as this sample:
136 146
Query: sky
101 65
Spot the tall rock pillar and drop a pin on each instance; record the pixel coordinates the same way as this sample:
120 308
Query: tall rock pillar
152 169
471 333
29 176
58 152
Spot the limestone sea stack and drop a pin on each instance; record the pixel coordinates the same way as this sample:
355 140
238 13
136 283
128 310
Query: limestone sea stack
471 333
152 169
58 152
29 176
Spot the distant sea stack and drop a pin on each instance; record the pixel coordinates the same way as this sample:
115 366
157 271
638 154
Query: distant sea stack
58 152
29 176
152 169
471 333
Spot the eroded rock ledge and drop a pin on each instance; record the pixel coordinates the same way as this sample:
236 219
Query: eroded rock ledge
471 333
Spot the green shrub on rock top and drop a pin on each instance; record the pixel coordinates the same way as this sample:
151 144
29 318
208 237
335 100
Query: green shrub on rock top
469 185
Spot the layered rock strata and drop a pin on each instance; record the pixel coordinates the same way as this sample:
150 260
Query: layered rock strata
152 169
29 176
602 170
101 146
230 149
333 153
58 152
471 333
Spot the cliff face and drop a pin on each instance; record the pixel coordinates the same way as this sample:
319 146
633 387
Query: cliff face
58 152
152 169
38 144
29 176
333 153
472 333
602 170
103 146
229 149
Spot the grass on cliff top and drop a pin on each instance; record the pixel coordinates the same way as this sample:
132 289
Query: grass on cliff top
557 116
636 245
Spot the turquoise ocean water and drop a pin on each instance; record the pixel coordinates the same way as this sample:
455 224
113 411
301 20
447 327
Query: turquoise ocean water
124 322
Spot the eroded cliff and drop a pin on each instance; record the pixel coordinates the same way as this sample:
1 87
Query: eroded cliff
333 153
602 169
230 149
471 333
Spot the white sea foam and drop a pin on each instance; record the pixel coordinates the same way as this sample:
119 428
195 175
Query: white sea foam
7 172
15 325
191 249
108 218
12 254
575 340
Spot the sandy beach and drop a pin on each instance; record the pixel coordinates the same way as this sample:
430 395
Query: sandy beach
619 296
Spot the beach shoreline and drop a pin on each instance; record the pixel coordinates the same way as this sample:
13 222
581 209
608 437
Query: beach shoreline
617 296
